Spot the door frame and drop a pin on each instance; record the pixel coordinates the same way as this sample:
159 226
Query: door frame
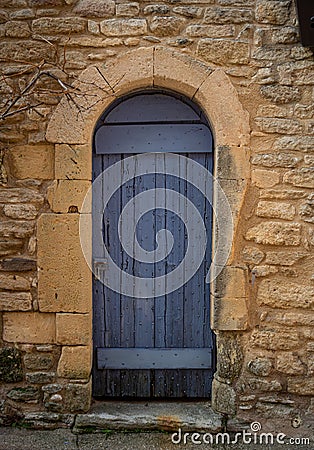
69 130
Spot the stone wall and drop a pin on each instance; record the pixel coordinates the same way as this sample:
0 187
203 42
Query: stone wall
265 368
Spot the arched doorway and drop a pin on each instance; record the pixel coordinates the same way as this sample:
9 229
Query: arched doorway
152 221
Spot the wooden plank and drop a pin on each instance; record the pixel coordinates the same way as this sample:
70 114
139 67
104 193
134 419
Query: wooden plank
153 358
98 287
151 107
178 138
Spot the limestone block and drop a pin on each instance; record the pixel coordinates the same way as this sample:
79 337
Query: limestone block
75 362
72 162
156 9
281 94
276 160
211 31
296 143
35 361
300 177
223 51
20 211
270 11
67 195
261 367
282 194
275 210
32 161
227 15
275 339
20 195
232 163
279 125
16 228
284 258
14 283
265 178
275 233
252 255
301 386
59 25
94 8
188 76
188 11
29 50
29 327
15 301
230 283
289 363
128 9
123 27
166 25
78 397
297 73
223 398
64 278
127 72
282 294
16 28
221 103
10 246
74 329
229 314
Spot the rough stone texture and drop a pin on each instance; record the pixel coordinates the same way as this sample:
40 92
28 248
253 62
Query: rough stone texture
15 301
273 340
229 363
94 8
18 265
11 370
272 12
301 386
265 178
300 177
166 25
28 212
276 160
260 367
35 361
276 294
275 233
70 162
73 329
62 25
64 282
24 394
30 161
284 258
227 15
14 283
29 327
252 255
290 363
297 143
128 9
281 94
75 362
307 209
222 51
275 210
67 195
223 398
123 27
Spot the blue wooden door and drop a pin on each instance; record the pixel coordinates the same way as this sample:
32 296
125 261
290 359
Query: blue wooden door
152 335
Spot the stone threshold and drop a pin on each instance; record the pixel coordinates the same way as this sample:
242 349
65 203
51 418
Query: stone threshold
148 416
